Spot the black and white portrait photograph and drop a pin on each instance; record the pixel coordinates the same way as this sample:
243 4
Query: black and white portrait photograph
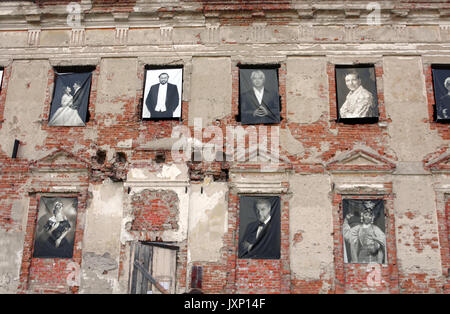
162 93
259 227
356 92
55 229
259 99
441 84
70 99
364 231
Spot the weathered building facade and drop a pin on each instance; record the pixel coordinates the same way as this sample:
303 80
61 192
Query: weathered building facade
181 219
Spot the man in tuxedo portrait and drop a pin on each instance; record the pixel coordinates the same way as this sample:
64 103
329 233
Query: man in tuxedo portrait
259 104
261 239
163 98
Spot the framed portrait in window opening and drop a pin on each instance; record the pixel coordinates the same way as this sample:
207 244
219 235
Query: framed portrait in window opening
259 99
162 93
356 94
55 229
364 231
441 87
70 101
259 227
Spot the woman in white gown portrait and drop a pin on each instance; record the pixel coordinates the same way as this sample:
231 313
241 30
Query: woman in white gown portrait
67 114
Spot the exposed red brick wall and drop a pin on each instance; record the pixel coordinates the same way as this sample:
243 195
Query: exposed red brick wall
155 211
258 276
214 277
321 285
50 276
421 283
13 176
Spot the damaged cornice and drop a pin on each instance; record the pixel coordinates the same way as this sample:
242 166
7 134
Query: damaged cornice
149 13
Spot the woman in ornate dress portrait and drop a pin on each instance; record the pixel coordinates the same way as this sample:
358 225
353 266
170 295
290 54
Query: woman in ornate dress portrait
51 239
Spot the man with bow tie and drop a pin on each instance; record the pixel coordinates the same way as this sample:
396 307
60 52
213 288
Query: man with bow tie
262 237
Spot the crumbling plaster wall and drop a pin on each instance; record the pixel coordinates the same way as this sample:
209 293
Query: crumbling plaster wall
418 247
11 247
24 106
207 221
101 242
406 106
307 83
311 228
412 140
210 89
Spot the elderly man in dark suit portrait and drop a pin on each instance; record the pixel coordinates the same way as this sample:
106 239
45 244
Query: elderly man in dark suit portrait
259 104
261 238
163 98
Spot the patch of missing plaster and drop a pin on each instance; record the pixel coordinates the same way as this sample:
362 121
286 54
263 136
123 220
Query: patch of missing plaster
289 143
298 237
169 172
155 210
208 223
96 276
100 156
100 263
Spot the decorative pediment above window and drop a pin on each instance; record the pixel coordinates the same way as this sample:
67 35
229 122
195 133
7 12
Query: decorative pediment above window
440 164
360 161
59 161
255 160
262 172
259 183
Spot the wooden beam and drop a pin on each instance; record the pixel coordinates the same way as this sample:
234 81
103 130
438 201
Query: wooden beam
149 277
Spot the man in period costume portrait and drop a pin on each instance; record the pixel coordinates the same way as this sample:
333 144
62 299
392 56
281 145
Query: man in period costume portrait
359 102
163 98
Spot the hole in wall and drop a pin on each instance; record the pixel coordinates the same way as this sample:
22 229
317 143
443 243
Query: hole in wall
160 158
100 156
121 157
